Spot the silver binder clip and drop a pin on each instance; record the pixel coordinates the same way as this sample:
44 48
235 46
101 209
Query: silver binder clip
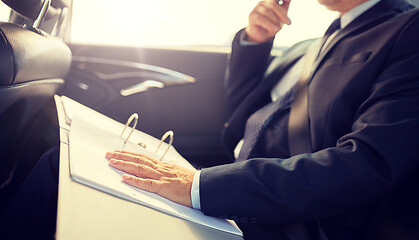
132 117
167 134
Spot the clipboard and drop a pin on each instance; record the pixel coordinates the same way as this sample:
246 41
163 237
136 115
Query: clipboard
90 134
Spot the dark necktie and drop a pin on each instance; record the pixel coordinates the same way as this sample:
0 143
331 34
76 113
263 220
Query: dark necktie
258 120
334 26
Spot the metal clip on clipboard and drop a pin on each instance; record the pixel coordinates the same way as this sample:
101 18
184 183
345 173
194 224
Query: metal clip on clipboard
132 117
167 134
163 138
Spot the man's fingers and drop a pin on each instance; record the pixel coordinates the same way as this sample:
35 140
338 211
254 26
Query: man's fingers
272 8
138 155
149 185
167 180
177 190
268 13
138 170
135 154
266 19
118 158
263 22
131 157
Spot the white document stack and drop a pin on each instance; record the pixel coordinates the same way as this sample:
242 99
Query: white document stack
92 135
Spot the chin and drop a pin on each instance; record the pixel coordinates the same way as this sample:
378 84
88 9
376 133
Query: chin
333 5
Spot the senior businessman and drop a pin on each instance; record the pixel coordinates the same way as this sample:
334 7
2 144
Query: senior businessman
325 135
323 139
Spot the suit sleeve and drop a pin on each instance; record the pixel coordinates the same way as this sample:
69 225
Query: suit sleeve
367 164
245 68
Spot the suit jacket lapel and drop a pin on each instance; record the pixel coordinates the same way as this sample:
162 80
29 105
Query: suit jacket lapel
374 15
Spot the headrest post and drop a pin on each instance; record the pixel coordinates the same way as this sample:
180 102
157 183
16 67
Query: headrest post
41 14
60 21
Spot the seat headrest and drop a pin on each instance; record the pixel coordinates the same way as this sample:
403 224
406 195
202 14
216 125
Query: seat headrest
26 55
31 8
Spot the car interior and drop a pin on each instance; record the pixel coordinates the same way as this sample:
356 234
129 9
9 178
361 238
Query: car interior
171 89
176 89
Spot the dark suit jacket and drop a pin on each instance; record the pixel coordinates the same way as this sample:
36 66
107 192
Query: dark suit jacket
363 108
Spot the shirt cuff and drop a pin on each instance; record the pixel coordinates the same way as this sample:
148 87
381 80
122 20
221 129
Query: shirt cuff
245 42
195 198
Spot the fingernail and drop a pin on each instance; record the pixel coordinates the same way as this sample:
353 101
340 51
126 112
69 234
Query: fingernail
126 177
113 161
109 155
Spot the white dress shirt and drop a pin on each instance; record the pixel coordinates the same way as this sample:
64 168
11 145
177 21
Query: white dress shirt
287 83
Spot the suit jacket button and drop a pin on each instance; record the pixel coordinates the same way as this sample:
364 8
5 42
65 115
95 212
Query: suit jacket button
226 124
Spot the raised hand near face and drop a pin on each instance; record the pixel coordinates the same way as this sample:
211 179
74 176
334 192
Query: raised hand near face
266 19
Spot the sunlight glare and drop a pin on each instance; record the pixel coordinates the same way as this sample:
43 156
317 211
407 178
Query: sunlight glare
184 22
4 12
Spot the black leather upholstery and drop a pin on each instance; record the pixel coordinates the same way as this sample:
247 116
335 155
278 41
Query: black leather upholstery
31 8
26 55
32 68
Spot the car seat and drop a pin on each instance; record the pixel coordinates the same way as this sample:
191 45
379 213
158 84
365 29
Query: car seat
33 65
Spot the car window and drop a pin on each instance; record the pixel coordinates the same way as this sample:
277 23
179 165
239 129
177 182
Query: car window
184 22
4 12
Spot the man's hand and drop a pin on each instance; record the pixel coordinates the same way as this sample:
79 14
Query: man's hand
167 180
266 19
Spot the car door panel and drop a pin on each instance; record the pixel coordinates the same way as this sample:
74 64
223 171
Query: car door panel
179 90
